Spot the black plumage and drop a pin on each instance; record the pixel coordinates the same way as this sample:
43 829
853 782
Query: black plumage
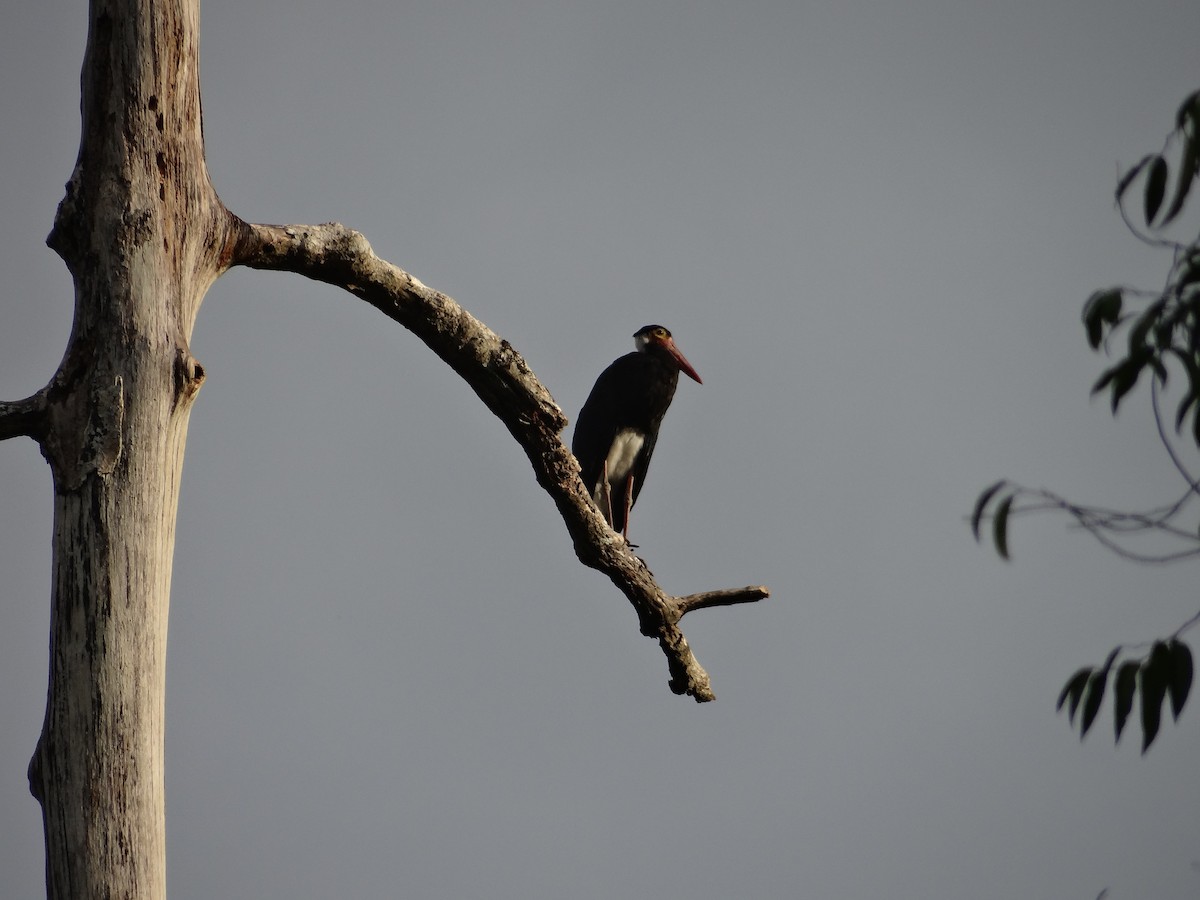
618 425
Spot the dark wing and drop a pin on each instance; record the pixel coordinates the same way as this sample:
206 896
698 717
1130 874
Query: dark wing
598 423
634 392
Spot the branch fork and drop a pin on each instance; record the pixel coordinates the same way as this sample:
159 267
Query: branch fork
339 256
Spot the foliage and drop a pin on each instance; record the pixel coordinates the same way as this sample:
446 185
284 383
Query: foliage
1166 671
1162 336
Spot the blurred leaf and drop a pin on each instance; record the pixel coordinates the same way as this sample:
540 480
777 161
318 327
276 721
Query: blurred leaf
1102 308
1189 109
1187 174
1112 657
1156 672
1093 697
1073 690
1123 690
1156 188
1000 526
1181 675
1189 274
1188 359
1125 378
1196 427
1141 328
981 504
1164 331
1127 178
1105 379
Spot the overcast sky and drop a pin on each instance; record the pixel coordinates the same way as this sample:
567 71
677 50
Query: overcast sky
871 227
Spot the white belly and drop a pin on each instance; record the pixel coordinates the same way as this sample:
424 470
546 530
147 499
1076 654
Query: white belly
624 451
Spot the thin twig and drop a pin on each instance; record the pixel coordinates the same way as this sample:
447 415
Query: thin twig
731 597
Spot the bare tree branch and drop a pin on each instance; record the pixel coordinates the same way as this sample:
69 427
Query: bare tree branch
730 597
339 256
24 418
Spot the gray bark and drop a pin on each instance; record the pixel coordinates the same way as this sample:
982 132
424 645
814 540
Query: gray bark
143 233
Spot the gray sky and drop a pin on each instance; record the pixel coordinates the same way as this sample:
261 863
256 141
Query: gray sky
871 227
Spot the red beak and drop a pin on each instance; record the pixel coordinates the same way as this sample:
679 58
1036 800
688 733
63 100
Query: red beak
684 366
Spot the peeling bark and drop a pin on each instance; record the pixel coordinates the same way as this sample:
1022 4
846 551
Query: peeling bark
143 233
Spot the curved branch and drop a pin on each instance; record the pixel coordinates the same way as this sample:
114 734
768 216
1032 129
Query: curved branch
500 377
1101 522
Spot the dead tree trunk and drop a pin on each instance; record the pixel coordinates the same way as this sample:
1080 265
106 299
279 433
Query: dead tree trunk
144 235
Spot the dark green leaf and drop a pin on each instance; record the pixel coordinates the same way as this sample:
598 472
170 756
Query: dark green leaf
1184 406
1187 174
1141 328
1190 397
982 503
1112 657
1189 274
1156 188
1000 526
1073 690
1188 359
1156 672
1124 379
1105 380
1163 332
1102 308
1181 675
1188 109
1123 691
1093 697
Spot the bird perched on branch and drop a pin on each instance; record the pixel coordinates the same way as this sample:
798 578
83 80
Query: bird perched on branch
618 425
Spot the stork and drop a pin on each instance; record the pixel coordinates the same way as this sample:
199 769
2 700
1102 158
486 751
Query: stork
618 425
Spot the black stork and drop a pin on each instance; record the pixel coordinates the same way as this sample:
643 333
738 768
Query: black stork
618 425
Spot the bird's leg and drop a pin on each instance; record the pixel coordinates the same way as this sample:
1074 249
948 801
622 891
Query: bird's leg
628 507
606 494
